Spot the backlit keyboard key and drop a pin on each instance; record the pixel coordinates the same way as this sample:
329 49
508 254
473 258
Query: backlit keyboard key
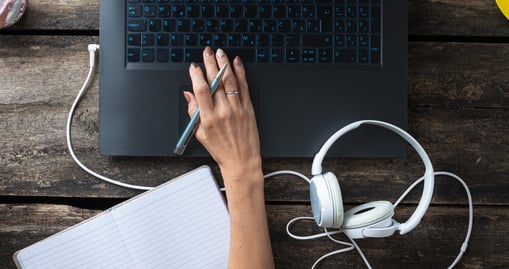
262 31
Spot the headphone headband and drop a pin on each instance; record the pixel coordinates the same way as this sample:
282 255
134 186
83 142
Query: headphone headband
429 178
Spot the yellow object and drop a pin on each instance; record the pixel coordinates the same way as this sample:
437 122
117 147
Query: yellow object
504 7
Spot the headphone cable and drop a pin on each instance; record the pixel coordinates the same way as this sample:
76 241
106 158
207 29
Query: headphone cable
92 48
470 209
353 245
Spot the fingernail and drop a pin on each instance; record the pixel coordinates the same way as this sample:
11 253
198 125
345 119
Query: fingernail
186 96
220 53
194 65
208 51
237 61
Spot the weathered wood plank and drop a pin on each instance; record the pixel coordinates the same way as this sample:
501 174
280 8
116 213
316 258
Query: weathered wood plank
39 168
439 235
426 17
456 18
458 115
440 74
433 244
458 75
458 100
60 15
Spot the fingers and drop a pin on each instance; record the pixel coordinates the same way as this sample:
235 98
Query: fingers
240 73
211 66
200 88
234 82
229 79
192 104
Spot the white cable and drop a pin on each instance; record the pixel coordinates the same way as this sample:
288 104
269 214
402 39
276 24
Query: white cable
313 236
470 210
353 245
290 172
360 252
330 254
92 49
350 246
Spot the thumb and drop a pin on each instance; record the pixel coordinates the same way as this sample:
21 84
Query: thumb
192 104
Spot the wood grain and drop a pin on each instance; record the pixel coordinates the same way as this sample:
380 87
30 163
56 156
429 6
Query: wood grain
470 18
60 15
458 109
438 238
33 112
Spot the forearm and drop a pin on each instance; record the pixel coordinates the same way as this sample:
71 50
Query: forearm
228 131
249 236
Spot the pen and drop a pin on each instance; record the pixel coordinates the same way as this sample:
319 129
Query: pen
193 123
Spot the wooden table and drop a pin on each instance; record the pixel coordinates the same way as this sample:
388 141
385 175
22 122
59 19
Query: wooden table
458 109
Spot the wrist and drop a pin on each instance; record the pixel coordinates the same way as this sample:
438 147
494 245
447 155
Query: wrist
248 172
244 192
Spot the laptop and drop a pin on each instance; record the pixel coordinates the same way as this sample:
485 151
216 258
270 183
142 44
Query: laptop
313 66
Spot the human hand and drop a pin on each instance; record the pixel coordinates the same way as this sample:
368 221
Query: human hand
227 126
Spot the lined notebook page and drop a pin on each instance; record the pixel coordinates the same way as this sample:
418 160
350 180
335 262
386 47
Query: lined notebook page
181 224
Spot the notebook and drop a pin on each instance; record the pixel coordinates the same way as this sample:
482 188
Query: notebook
313 66
183 223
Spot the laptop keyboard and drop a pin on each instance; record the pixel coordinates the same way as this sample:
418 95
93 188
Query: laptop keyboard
259 31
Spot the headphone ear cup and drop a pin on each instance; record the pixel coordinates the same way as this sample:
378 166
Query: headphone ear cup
326 200
367 214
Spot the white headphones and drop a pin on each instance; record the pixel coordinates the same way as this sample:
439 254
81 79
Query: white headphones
372 219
